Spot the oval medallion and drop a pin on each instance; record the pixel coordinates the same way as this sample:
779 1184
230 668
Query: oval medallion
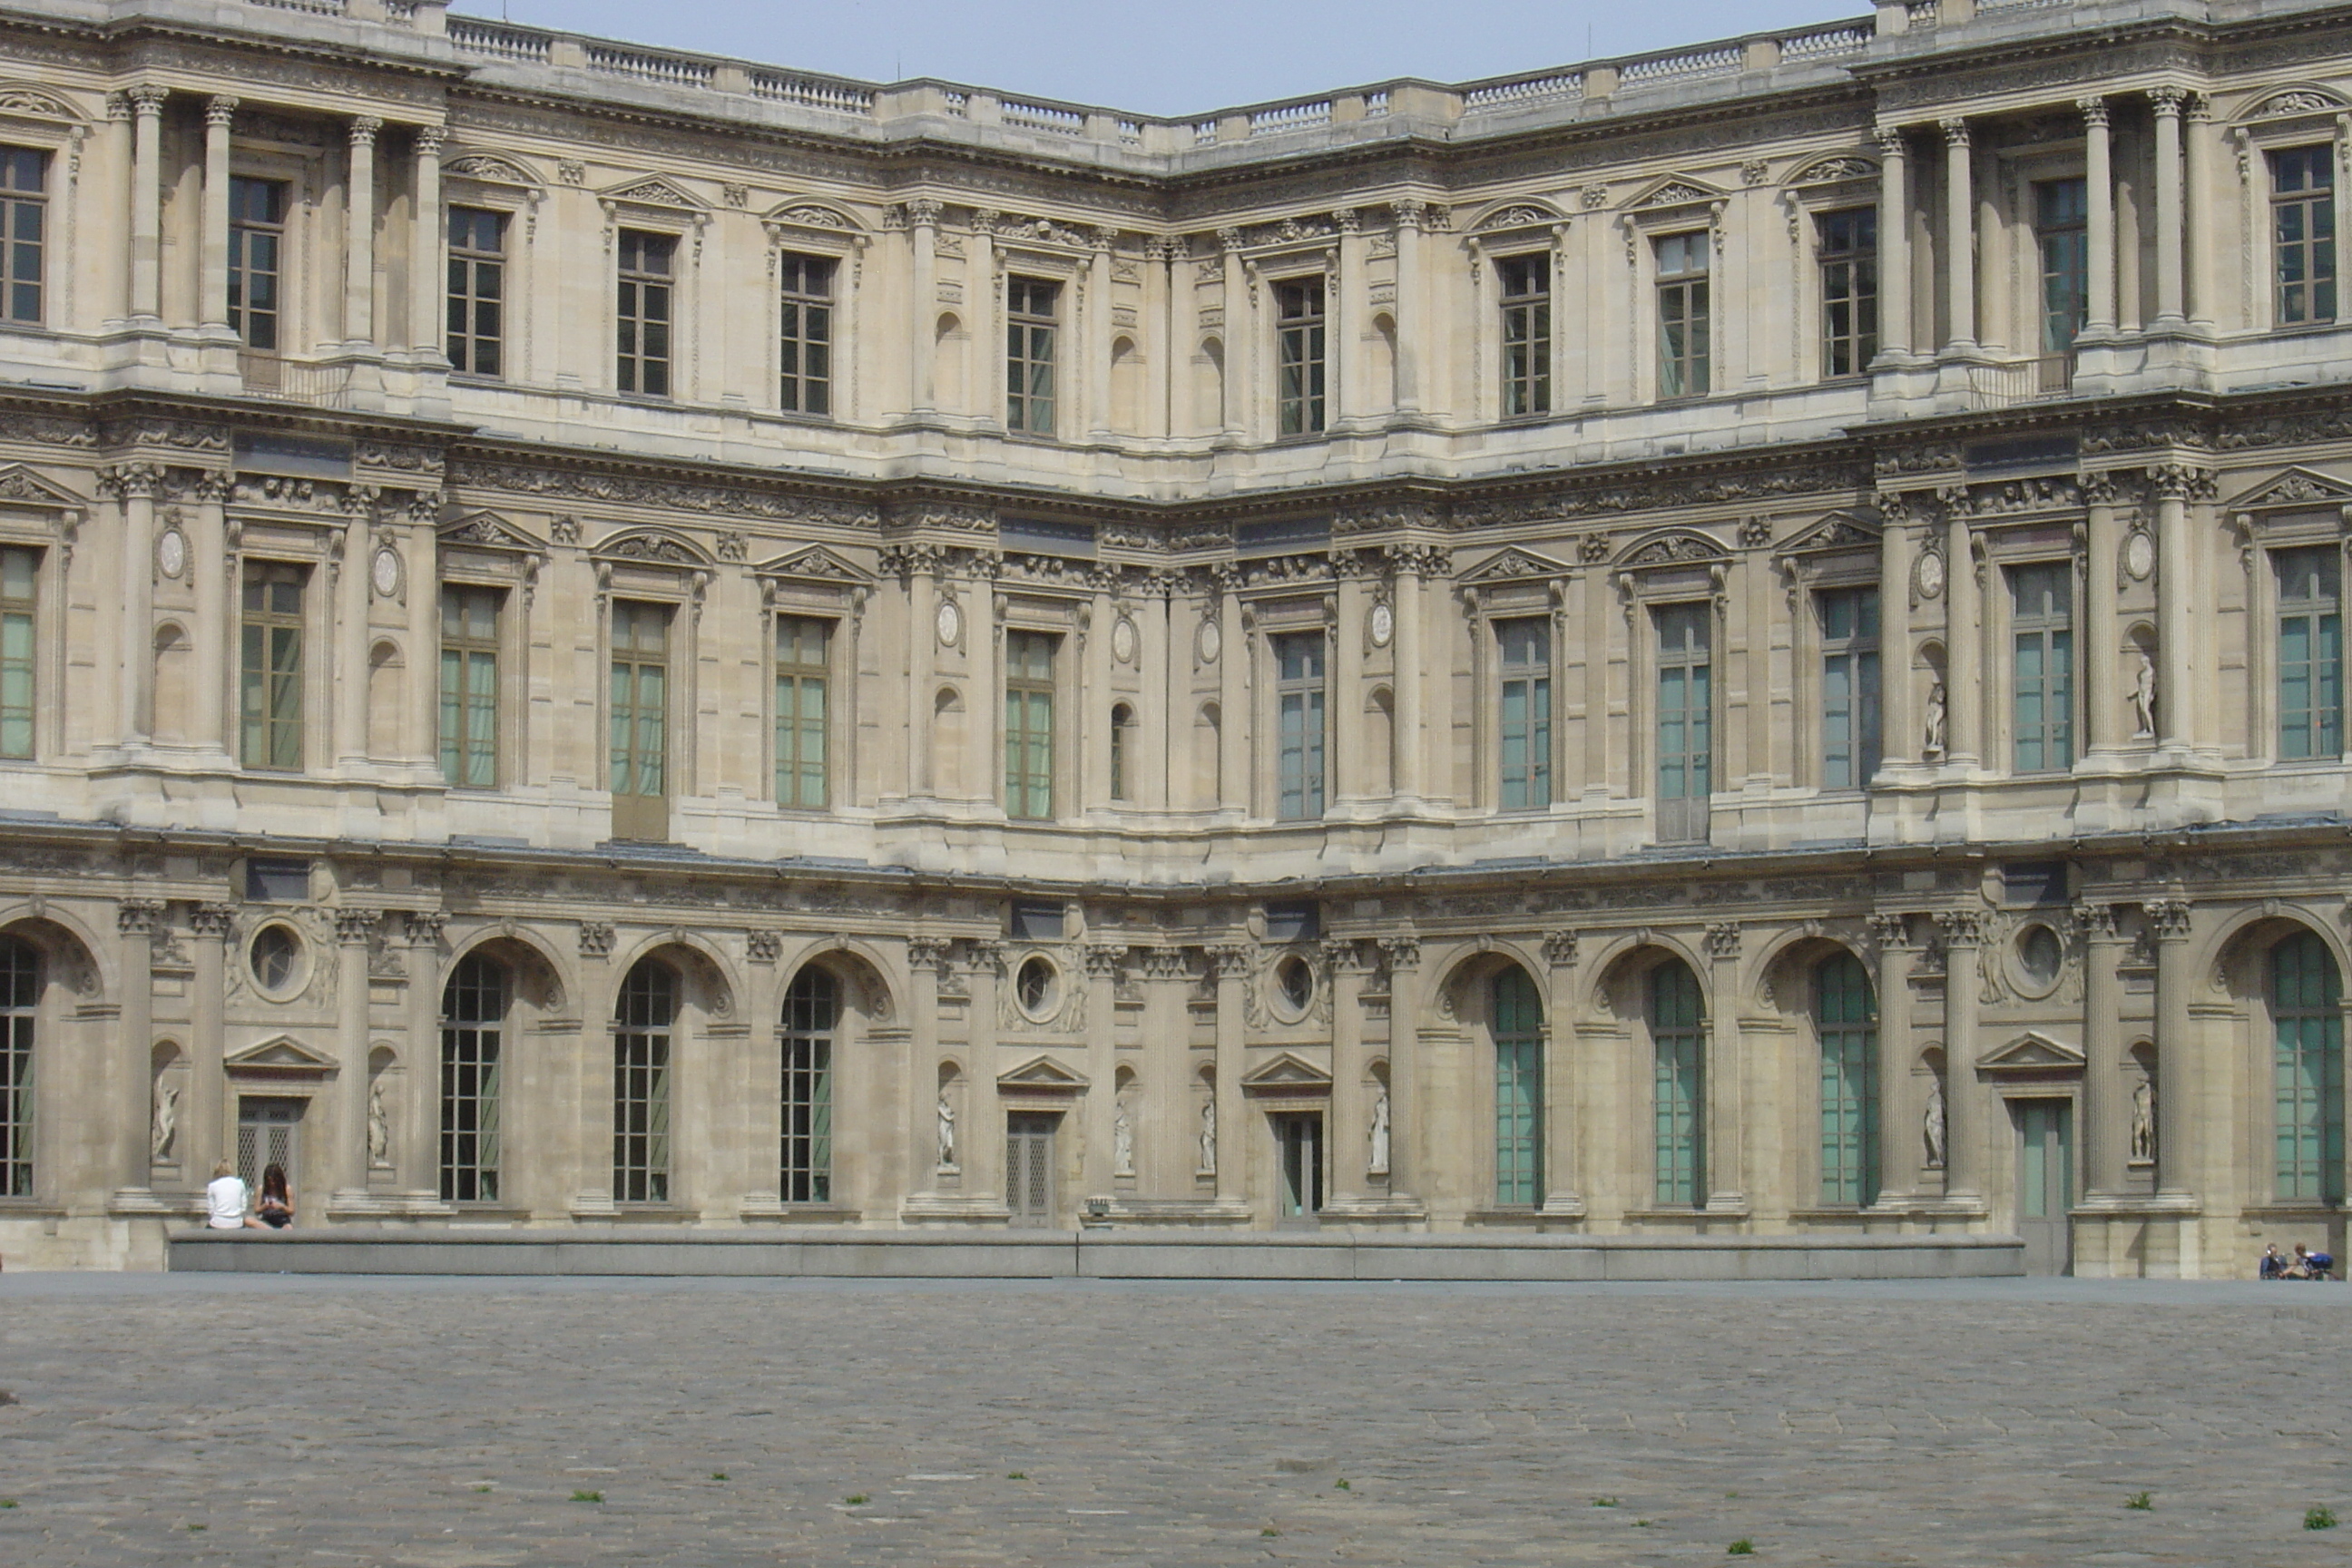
384 573
950 622
172 552
1383 624
2139 556
1930 575
1122 641
1210 642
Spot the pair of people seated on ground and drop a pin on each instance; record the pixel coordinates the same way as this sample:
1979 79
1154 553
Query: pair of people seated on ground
2305 1264
229 1203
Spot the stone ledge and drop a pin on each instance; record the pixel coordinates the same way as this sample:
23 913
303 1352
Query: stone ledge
1334 1254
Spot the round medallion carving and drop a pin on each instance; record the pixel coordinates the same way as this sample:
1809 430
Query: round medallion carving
1383 624
1122 640
172 552
1210 643
383 571
1929 575
2139 556
949 622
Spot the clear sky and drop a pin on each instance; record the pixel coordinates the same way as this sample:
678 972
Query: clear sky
1170 56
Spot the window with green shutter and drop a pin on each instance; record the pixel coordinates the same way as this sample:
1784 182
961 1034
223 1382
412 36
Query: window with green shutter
1523 730
2041 672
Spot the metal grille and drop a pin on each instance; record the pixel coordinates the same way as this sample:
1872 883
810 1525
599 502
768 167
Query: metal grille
268 1133
1029 1167
641 1041
1677 1037
473 1019
1846 1018
1518 1090
20 997
812 1013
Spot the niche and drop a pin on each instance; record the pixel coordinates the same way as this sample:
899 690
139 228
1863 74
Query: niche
174 692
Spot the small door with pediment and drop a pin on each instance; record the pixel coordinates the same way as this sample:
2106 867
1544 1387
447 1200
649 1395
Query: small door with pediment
1029 1184
2045 1183
1298 1155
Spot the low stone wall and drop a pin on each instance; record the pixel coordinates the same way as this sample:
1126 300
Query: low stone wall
1331 1253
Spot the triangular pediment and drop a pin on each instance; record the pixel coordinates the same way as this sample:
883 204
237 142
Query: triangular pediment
281 1053
2032 1051
1287 1071
1514 565
489 531
23 485
1676 191
2297 486
651 190
1042 1074
491 169
1672 547
661 546
817 563
1839 531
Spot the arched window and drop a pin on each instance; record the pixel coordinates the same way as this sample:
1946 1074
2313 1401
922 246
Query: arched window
1518 1090
1678 1044
642 1022
812 1013
473 1031
20 997
2308 1070
1845 1019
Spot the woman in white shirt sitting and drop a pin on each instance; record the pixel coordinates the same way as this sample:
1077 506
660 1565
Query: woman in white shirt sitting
226 1200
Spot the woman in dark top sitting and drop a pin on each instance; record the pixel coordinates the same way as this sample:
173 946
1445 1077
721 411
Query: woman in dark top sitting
277 1204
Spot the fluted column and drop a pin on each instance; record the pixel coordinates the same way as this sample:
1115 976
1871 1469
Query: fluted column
1963 648
1236 335
1410 325
1963 1113
359 233
204 1119
213 309
2177 590
2099 189
427 307
353 594
2106 1121
1098 1172
422 566
1959 234
2100 659
926 957
1898 725
135 485
1407 1153
983 1154
2171 313
921 565
417 1139
1725 1074
1232 963
1570 1078
132 1132
209 567
923 220
1408 563
1893 244
1351 320
1094 725
1347 709
1233 702
2203 215
1350 1123
147 202
354 932
1096 370
1899 1144
2176 1054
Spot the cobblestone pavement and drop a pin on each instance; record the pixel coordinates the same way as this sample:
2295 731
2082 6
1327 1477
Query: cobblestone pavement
198 1420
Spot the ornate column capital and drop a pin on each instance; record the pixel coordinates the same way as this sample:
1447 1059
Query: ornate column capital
1889 929
1411 211
148 98
596 939
357 927
1722 939
1400 952
2182 482
138 917
1104 959
923 211
2167 919
2094 111
1165 963
1230 960
1955 132
2168 100
429 140
926 953
212 922
2097 921
1343 954
1961 928
1890 139
425 926
220 111
363 130
1559 949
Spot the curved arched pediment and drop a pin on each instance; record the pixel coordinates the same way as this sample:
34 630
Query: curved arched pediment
491 169
1672 547
659 546
1835 169
799 213
25 101
1520 212
2307 98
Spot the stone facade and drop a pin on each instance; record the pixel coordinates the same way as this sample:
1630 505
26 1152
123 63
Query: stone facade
1735 643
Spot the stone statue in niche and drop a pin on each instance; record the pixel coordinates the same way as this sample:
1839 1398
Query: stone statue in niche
166 1130
379 1129
2143 698
1931 1125
1122 1142
1208 1138
1932 744
1378 1163
946 1114
2143 1122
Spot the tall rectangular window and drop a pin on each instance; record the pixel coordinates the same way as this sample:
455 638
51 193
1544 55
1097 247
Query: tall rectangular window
269 682
469 687
20 1003
1030 316
803 668
1678 1087
24 233
805 356
1849 686
1683 348
2310 653
1523 648
1527 334
1518 1090
473 1020
642 1025
812 1012
1300 356
477 292
20 579
1685 721
1298 699
2061 233
1029 725
640 726
2302 233
1848 254
2307 1071
2042 671
644 311
257 259
1845 1016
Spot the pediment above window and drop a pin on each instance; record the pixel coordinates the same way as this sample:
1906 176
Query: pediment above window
1287 1073
1042 1074
2032 1052
2297 487
815 564
21 100
1839 531
492 169
1838 168
1674 191
1672 547
282 1056
21 485
652 547
652 191
489 531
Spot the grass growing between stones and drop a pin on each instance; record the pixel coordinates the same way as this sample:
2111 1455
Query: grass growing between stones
2319 1519
2143 1502
587 1497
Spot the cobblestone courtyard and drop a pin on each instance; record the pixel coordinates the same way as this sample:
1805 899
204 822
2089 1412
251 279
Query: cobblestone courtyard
201 1420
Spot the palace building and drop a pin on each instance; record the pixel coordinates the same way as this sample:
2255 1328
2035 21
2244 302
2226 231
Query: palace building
1743 643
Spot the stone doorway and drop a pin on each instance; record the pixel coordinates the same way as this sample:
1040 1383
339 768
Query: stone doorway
269 1133
1029 1140
2045 1183
1298 1160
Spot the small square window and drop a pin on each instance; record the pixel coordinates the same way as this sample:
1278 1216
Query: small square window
276 881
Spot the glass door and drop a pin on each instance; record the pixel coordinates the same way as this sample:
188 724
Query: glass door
1298 1148
2045 1183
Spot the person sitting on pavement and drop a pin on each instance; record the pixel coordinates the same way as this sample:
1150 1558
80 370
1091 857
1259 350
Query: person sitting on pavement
2274 1265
